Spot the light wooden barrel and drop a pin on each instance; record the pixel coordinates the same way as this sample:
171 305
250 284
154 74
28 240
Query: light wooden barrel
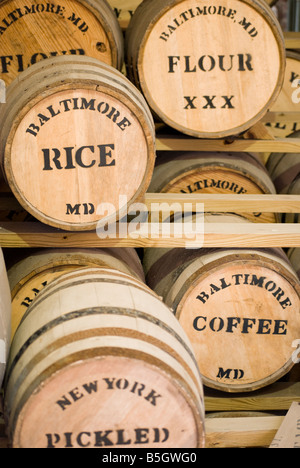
200 172
39 29
106 365
288 99
239 308
29 274
294 256
207 70
5 317
77 142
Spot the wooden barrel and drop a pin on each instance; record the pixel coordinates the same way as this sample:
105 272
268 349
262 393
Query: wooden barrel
5 317
200 172
207 70
40 29
107 364
294 256
239 308
77 142
288 99
30 273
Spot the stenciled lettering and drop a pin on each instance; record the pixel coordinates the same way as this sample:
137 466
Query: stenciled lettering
206 11
209 102
71 158
250 280
77 104
108 437
208 63
216 183
109 384
44 8
240 325
20 63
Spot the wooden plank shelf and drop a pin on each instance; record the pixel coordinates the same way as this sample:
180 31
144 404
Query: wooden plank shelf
180 143
35 234
22 235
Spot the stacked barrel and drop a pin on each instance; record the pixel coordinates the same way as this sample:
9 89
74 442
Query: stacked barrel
77 150
91 331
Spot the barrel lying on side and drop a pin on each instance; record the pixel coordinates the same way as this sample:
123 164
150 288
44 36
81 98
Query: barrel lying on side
200 172
30 273
99 360
77 142
38 30
207 69
5 316
239 308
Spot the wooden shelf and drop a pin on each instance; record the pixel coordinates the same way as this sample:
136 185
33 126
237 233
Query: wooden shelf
35 234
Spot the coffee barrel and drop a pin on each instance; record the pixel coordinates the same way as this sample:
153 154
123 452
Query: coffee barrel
200 172
239 308
29 274
5 317
206 69
37 29
288 99
77 142
100 361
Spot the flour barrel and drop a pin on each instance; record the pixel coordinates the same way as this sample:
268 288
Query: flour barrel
288 99
5 317
294 256
200 172
77 142
30 273
239 308
206 69
107 364
38 29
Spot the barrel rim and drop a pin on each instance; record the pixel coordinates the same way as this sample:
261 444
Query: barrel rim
105 15
205 272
